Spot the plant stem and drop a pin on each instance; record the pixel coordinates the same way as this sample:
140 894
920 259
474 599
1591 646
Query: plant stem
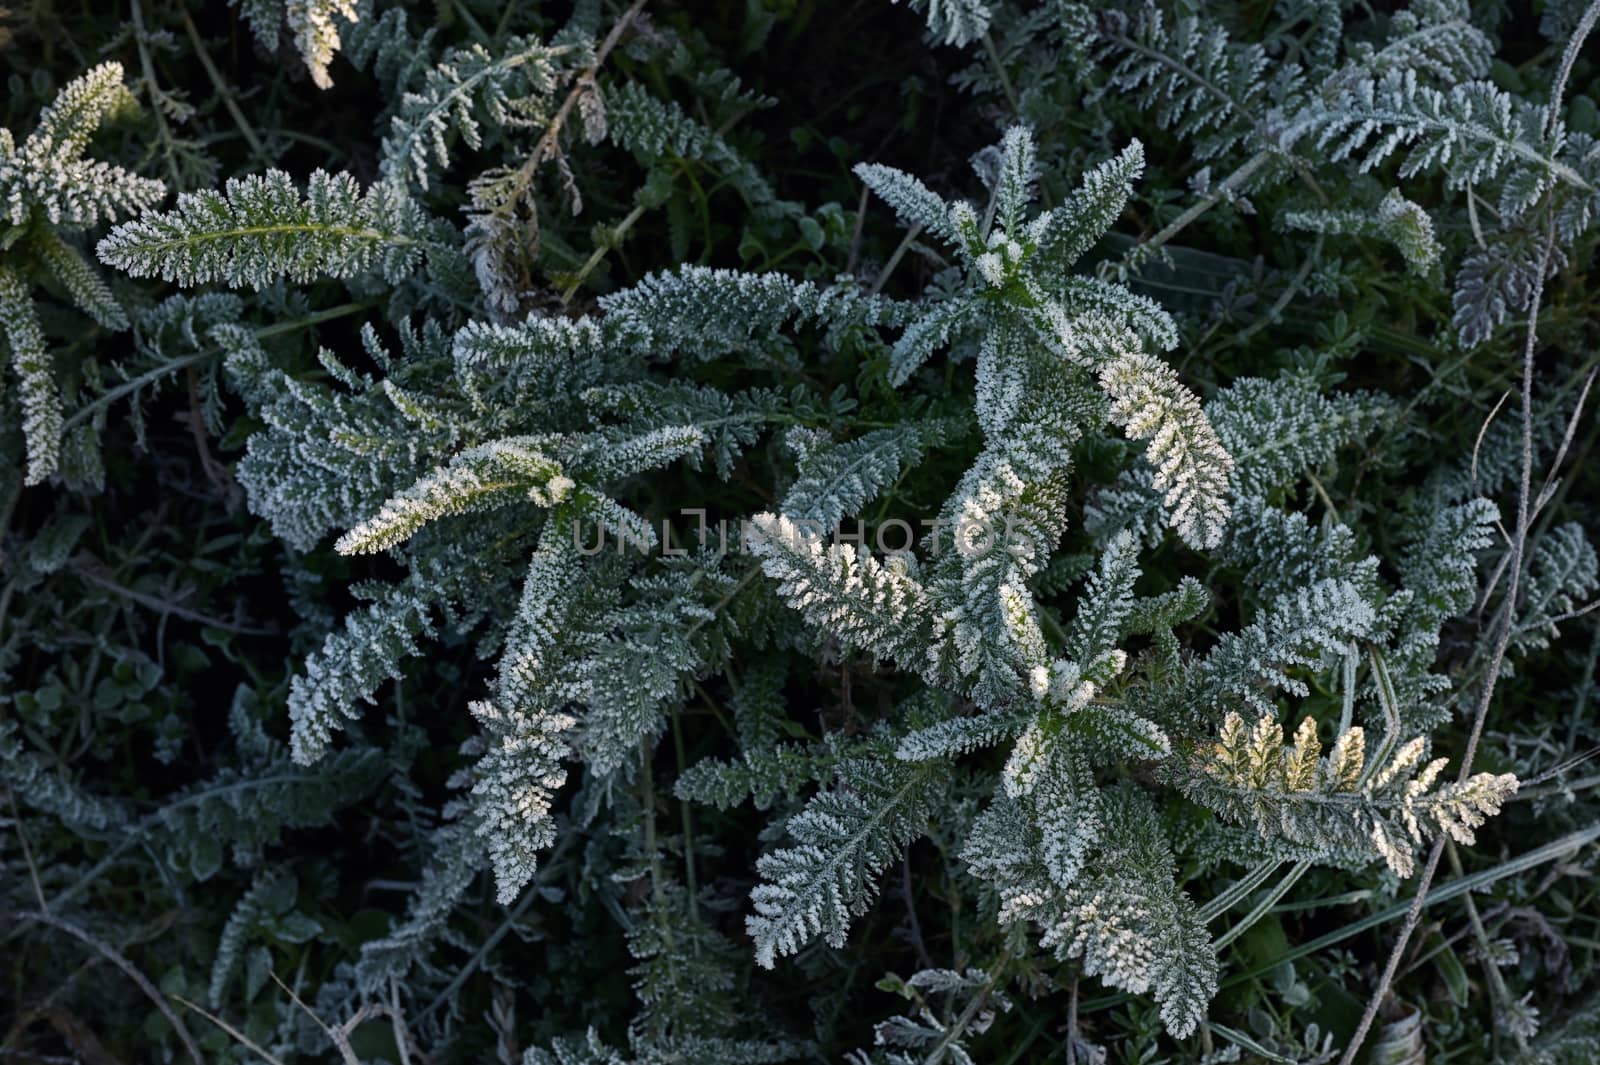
1000 72
140 34
1550 852
688 827
149 377
1506 618
599 253
217 82
1246 170
894 259
974 1007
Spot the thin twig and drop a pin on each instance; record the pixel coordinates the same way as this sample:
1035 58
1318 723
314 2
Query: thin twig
150 377
599 253
27 852
1548 487
337 1036
404 1041
1000 72
923 957
243 1039
217 82
1072 1024
1296 283
1497 984
855 233
647 790
1223 189
402 1033
164 607
1558 88
215 472
1579 708
959 1026
1506 624
529 894
1571 615
1477 444
114 956
691 876
894 259
141 39
546 146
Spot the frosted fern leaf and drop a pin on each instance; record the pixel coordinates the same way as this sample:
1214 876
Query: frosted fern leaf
30 359
1396 219
1191 467
954 22
915 203
259 229
1474 134
1201 84
1434 37
1298 629
48 176
350 665
1124 914
510 90
1339 807
862 602
489 475
517 779
842 841
836 480
316 34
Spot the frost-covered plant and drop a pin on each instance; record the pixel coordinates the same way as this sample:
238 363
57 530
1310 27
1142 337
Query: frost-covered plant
259 229
1319 94
684 596
313 25
502 461
1341 805
49 188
